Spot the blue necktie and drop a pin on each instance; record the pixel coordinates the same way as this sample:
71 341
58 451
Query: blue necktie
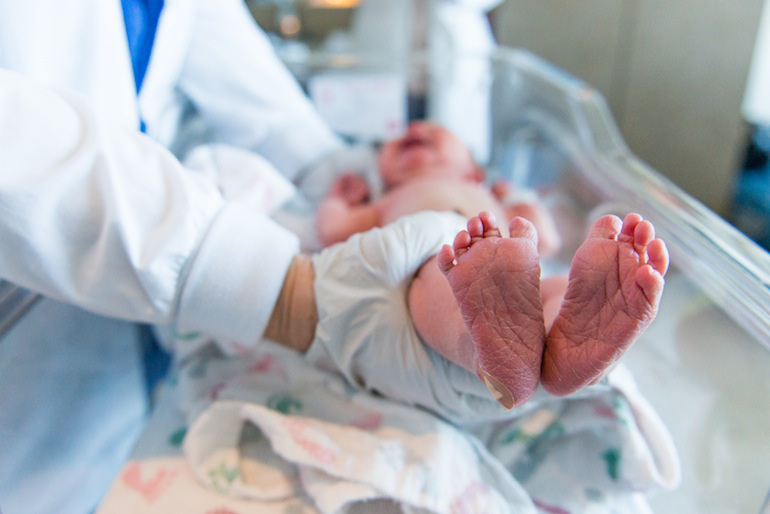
141 17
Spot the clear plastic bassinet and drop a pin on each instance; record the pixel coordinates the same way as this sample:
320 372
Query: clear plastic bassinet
704 362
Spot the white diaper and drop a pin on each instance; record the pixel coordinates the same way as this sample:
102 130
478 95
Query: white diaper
365 331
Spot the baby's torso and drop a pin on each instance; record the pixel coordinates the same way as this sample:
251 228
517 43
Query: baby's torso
434 194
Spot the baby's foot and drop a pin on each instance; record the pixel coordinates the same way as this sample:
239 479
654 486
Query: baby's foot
496 282
615 284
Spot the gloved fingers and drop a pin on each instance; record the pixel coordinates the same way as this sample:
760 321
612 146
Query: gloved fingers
410 241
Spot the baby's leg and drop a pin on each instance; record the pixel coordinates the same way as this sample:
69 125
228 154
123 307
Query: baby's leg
614 288
496 283
437 318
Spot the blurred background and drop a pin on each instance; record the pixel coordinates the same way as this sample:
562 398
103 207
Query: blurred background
688 82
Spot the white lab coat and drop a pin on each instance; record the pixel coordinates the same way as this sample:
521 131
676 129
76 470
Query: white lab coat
756 100
206 52
93 213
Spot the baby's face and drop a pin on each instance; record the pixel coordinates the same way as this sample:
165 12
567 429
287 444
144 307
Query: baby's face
426 150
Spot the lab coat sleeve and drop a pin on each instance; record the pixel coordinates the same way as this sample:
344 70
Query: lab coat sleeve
108 220
246 94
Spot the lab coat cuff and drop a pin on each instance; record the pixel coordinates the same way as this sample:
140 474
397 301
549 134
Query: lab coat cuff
236 277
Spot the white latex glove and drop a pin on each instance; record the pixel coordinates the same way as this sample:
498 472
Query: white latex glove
365 331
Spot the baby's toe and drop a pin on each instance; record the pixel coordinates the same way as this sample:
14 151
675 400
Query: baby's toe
475 227
445 258
651 282
644 233
657 256
488 221
630 222
521 228
606 227
461 243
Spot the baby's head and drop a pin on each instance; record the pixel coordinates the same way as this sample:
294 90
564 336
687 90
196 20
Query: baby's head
426 150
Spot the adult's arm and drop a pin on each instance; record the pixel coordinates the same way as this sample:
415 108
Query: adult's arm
108 220
247 95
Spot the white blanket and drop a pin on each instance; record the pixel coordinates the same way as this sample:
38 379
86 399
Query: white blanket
267 427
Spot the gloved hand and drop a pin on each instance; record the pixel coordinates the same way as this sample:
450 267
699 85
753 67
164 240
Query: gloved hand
365 331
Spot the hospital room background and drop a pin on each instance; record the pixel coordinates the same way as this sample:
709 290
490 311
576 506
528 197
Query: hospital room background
686 81
658 105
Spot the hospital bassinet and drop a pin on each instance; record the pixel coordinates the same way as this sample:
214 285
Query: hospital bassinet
704 363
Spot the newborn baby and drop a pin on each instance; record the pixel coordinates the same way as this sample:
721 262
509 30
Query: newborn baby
428 168
480 302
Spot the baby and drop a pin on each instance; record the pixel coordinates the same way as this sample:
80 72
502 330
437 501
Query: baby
480 302
428 168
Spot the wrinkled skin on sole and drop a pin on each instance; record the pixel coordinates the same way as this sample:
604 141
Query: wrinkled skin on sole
614 289
496 282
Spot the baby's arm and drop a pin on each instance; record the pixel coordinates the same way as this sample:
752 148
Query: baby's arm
346 211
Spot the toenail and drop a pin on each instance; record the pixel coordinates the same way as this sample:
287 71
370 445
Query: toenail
498 390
